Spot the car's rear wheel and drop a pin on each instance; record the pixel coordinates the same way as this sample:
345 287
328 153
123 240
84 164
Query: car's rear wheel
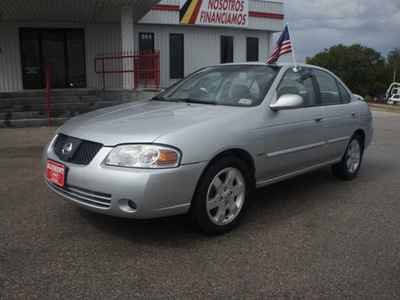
350 164
221 196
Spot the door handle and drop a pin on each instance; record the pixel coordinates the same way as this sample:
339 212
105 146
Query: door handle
319 118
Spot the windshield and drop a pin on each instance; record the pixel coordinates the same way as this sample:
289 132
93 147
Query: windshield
235 85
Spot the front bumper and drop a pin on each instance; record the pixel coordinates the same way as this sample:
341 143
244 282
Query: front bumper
127 192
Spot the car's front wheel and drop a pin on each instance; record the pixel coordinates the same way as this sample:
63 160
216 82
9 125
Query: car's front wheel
221 196
350 164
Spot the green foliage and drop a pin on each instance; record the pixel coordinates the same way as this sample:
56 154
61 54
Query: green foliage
394 59
361 68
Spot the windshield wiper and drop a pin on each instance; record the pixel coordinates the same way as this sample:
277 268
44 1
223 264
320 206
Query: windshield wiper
189 100
159 98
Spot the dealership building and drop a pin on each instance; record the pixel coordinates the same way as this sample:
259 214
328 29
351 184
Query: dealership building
186 34
96 53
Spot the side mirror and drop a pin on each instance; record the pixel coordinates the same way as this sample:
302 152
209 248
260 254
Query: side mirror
287 101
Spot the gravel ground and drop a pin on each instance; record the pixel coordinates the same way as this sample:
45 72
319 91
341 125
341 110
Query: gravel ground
311 237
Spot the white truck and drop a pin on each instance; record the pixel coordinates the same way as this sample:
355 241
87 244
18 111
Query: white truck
393 94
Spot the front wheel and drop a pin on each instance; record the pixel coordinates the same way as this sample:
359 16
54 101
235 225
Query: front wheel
221 196
350 164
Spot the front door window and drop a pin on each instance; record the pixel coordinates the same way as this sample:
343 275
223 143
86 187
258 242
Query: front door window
298 83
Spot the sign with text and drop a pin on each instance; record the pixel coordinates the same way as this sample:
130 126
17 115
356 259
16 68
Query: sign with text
230 13
55 172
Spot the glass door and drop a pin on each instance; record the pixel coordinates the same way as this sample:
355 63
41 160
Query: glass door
63 48
30 56
53 50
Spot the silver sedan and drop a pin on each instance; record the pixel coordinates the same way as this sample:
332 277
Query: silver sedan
203 145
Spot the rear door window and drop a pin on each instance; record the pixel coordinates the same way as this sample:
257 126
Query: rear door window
344 94
328 87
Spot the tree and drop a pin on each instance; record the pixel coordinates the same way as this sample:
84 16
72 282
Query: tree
394 62
361 68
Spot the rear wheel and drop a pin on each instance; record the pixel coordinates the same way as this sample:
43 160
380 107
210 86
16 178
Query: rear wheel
221 196
350 164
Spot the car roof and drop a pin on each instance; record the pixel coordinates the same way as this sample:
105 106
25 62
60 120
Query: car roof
259 63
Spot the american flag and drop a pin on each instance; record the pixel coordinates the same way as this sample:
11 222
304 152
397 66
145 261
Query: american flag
283 46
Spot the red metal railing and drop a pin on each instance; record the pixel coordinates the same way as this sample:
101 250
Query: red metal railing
377 101
134 68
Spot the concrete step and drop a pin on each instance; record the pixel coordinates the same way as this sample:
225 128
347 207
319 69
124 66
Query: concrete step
32 122
55 106
56 110
42 93
29 108
4 103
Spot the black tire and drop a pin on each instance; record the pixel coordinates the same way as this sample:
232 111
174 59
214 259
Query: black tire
221 196
350 164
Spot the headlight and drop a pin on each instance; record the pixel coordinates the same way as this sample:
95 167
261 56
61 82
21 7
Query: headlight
143 156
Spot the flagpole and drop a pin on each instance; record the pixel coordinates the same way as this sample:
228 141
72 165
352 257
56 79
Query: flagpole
291 40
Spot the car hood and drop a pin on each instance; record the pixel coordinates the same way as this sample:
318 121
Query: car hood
141 122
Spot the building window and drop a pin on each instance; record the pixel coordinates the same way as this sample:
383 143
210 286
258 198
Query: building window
252 49
176 56
226 49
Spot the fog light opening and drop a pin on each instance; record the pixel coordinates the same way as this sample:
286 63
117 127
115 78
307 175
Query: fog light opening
127 205
132 204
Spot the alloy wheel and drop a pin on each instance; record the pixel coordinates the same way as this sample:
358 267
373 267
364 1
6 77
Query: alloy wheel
225 196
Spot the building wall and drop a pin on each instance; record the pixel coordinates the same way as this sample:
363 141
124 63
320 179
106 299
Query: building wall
202 45
170 17
10 57
266 23
99 38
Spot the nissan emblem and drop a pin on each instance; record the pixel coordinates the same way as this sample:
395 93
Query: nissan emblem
67 148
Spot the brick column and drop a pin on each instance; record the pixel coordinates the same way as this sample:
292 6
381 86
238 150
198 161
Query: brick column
128 44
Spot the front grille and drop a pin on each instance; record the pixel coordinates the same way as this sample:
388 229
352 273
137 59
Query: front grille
86 152
83 154
60 142
91 198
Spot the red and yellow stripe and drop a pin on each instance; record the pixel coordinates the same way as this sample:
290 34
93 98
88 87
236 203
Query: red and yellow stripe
191 13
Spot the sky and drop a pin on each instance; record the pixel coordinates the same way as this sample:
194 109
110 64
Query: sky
316 25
